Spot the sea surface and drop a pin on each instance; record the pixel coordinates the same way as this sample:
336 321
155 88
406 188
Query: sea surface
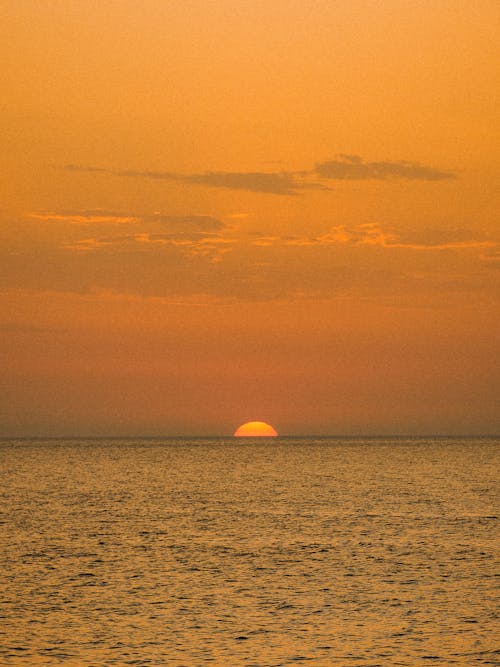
324 552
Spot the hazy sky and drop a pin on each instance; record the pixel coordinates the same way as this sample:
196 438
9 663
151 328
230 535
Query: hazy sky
216 211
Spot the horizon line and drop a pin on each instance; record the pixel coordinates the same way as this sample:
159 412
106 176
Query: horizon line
233 437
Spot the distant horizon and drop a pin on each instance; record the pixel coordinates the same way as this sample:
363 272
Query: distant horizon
289 436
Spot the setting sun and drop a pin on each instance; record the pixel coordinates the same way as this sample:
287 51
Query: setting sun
255 430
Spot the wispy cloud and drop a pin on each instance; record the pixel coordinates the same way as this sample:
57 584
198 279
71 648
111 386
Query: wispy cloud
352 167
211 246
193 234
278 183
178 224
375 235
183 256
85 216
344 167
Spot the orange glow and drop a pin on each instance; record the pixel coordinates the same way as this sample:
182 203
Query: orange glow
255 430
319 246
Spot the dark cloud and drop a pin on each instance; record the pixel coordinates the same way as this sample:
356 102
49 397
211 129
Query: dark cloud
344 167
278 183
352 167
281 183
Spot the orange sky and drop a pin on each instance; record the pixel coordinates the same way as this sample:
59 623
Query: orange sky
217 211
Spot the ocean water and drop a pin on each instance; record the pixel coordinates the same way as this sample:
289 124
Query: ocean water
325 552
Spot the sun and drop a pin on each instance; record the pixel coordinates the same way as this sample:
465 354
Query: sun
255 430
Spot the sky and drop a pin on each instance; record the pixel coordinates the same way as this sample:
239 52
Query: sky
220 211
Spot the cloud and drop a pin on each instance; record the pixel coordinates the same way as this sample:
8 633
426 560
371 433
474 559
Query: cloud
282 183
352 167
278 183
375 235
193 234
344 167
85 216
178 224
421 239
208 245
164 256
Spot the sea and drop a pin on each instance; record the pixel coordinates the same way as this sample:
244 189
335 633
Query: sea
355 552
